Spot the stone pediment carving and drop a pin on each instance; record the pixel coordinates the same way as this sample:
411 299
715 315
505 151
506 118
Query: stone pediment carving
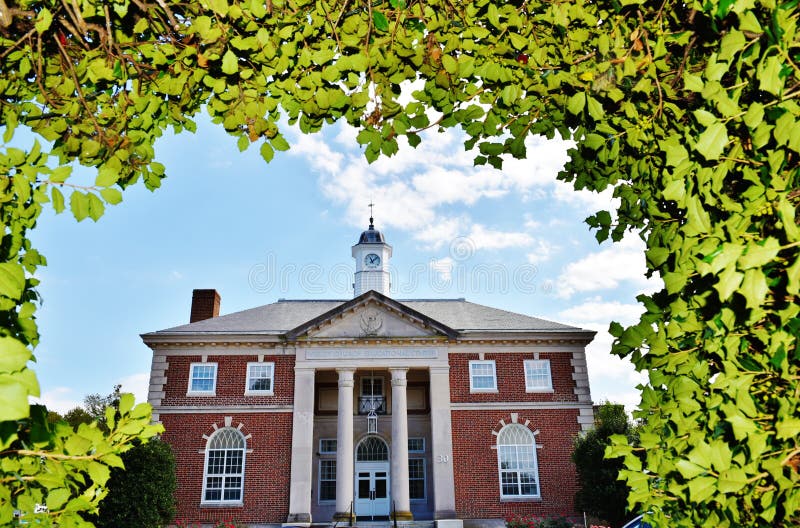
370 321
371 315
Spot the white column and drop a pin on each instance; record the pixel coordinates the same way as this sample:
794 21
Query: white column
399 475
344 445
444 497
302 448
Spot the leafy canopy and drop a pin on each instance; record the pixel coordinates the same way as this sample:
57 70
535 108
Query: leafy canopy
600 492
688 110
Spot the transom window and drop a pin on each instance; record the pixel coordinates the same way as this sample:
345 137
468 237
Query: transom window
416 445
537 375
260 378
482 376
372 449
327 480
327 446
203 378
416 478
224 479
516 454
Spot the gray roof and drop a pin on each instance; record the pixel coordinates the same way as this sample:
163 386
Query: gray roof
282 316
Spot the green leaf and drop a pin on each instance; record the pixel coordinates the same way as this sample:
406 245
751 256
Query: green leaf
754 288
96 207
701 488
56 498
99 473
57 199
267 152
60 174
576 103
12 280
13 399
732 480
380 21
770 76
79 205
727 283
230 63
126 402
280 143
43 20
712 142
14 355
106 176
112 196
757 255
595 108
689 469
450 64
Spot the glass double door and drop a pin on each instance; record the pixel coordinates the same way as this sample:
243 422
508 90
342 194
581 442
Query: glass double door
372 490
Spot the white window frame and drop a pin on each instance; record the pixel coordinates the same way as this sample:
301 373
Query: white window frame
320 500
424 481
213 391
476 363
324 451
537 364
250 392
225 475
534 469
421 439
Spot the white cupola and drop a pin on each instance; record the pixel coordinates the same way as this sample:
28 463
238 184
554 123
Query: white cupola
372 255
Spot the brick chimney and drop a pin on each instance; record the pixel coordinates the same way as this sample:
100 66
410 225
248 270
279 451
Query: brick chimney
205 305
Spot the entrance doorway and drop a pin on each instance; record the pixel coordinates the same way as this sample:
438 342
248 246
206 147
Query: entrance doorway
372 499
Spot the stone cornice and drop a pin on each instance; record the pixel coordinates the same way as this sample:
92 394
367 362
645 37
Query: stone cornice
166 342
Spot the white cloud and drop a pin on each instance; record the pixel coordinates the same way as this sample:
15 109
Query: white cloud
598 311
542 252
484 238
618 263
443 267
414 189
138 384
59 399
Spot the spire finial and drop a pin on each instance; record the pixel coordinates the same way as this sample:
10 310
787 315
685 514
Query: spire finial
371 221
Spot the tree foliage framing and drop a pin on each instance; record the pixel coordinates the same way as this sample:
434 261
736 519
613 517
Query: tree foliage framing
600 492
688 110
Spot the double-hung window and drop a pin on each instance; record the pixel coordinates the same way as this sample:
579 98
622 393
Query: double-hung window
516 454
224 478
482 376
537 375
327 480
416 478
202 379
260 379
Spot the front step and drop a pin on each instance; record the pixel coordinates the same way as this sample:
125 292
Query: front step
386 524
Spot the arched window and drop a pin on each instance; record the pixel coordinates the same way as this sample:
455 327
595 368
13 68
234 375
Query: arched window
224 476
372 449
516 454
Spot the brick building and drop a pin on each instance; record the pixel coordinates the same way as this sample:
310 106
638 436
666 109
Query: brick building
302 411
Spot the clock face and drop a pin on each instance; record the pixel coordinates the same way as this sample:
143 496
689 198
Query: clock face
372 260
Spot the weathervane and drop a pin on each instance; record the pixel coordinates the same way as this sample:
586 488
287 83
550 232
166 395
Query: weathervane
371 205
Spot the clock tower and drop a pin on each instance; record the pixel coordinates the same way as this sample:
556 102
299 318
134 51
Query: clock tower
372 255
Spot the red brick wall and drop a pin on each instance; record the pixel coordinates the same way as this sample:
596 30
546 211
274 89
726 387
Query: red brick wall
475 464
510 369
231 379
267 466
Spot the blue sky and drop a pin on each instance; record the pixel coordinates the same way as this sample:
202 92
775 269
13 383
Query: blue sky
257 232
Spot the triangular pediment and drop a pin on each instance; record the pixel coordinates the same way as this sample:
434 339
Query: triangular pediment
371 315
